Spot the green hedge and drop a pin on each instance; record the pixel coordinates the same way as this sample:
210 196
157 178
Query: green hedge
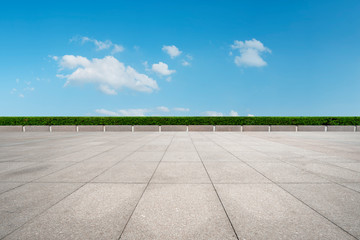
179 120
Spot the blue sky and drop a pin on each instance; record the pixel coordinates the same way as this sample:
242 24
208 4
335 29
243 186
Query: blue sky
180 58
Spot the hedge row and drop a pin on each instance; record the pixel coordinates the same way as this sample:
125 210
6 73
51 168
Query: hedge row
179 120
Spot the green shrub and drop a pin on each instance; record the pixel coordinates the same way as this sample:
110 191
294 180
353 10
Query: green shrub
179 120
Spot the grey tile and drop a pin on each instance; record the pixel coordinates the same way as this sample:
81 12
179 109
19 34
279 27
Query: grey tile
96 211
33 171
23 203
337 203
283 172
233 172
330 172
128 172
351 166
217 156
8 166
265 211
79 172
144 156
172 211
181 156
354 186
180 172
6 186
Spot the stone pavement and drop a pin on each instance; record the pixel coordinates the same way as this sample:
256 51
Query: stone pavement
180 185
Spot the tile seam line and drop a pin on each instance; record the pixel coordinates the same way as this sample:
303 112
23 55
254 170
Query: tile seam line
308 171
57 202
177 183
288 192
279 142
217 194
147 185
316 174
74 163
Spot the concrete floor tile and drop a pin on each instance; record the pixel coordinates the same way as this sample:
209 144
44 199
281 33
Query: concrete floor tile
79 172
8 166
128 172
95 211
338 204
32 172
23 203
181 156
218 156
265 211
172 211
354 186
180 172
153 148
330 172
144 156
233 172
283 172
255 157
350 166
180 203
6 186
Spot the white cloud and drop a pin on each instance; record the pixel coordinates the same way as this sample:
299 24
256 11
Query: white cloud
108 73
106 112
107 90
250 115
21 95
122 112
162 69
173 51
30 89
13 90
233 113
100 45
185 63
133 112
71 61
163 109
213 114
182 109
117 48
189 57
250 51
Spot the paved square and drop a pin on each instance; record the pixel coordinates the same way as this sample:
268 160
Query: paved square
180 185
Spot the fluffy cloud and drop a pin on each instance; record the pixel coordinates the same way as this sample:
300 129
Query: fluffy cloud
181 109
163 109
250 51
133 112
173 51
100 45
213 114
233 113
162 69
117 48
106 112
250 115
108 73
122 112
185 63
